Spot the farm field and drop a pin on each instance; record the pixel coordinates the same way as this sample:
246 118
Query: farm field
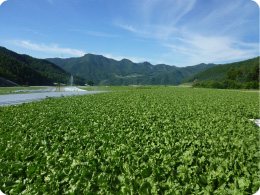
156 140
116 88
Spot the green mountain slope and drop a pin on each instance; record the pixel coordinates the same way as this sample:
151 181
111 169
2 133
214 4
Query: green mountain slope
20 72
219 72
25 69
107 71
7 83
175 77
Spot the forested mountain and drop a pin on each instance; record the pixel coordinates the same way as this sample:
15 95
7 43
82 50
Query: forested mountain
218 72
97 69
26 70
102 70
108 71
243 74
175 77
7 83
20 72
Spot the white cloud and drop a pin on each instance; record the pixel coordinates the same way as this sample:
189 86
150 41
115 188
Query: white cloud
53 48
173 11
217 34
33 31
196 49
160 32
154 24
128 27
2 1
94 33
137 31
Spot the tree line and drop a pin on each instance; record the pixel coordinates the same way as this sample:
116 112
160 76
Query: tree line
235 78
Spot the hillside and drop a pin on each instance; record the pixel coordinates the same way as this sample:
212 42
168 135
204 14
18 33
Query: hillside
219 72
105 71
100 69
239 75
175 77
97 69
20 73
26 70
7 83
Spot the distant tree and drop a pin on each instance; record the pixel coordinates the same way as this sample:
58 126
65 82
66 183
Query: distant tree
233 74
89 82
253 75
251 85
214 84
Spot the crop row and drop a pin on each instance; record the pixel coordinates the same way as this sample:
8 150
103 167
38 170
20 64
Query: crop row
166 140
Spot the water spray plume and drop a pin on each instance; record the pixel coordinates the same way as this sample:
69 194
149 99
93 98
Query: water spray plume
71 80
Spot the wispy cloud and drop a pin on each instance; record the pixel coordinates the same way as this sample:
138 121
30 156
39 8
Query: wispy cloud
50 1
53 48
34 32
160 32
94 33
154 24
137 31
173 11
128 27
213 34
197 49
222 18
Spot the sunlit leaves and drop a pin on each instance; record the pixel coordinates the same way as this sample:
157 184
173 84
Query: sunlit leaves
151 141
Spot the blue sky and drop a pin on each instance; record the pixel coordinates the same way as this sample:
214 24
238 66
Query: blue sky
174 32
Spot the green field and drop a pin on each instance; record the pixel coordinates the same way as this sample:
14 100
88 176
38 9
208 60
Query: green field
116 88
162 140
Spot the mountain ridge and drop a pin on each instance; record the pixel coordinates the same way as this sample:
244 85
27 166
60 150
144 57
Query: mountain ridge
91 68
26 70
218 72
107 71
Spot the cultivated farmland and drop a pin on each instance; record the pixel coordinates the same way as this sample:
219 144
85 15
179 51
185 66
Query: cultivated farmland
163 140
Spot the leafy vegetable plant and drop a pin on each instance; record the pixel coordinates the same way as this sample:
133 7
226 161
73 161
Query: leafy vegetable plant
152 141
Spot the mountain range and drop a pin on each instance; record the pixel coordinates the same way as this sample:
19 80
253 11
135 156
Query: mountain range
105 71
99 70
26 70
